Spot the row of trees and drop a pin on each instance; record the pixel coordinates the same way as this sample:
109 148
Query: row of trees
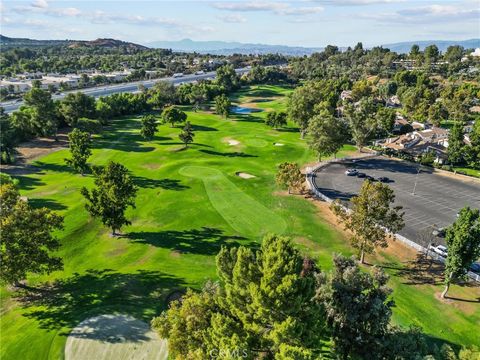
276 303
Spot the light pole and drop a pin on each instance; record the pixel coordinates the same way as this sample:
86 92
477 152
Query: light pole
416 180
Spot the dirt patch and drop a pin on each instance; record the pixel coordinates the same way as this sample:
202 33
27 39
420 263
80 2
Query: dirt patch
152 166
279 144
244 175
175 254
30 150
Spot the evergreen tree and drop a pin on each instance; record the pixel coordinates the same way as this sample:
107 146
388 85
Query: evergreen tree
149 126
222 105
114 192
263 306
276 119
463 241
456 146
79 143
186 136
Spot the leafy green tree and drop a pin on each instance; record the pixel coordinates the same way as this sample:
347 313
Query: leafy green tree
473 153
370 216
301 106
463 242
362 122
431 54
290 176
80 144
197 97
222 105
27 242
77 105
149 126
42 112
8 137
114 192
103 110
162 94
263 306
385 119
91 126
227 78
186 136
456 146
276 119
358 308
173 115
326 134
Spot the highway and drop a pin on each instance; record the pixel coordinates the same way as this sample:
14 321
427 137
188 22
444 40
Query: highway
131 87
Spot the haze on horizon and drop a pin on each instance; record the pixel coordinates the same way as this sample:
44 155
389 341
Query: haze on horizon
313 23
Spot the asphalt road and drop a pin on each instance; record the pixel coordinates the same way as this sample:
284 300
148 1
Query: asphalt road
11 106
436 200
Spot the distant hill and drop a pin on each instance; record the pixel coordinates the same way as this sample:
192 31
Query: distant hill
404 47
228 48
8 42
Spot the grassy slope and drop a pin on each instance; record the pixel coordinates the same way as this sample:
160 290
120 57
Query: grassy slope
176 228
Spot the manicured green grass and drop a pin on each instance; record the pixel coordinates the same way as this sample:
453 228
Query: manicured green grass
468 171
190 203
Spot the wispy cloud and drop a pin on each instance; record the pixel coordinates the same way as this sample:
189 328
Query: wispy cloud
42 7
427 14
279 8
358 2
232 18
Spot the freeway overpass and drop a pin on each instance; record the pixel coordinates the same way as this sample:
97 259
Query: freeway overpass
131 87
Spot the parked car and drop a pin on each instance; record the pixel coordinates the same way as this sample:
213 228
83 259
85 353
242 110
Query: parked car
383 179
199 72
361 175
370 178
351 172
440 250
475 267
440 232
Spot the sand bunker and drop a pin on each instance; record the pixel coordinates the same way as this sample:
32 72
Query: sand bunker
278 144
115 337
245 175
233 142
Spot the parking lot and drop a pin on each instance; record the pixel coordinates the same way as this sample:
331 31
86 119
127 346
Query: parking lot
435 202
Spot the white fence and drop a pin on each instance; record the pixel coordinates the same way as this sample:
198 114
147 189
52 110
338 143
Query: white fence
310 174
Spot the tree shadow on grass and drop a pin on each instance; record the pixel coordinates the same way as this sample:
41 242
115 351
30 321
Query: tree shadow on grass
166 184
228 154
289 129
204 241
54 167
67 302
48 203
203 128
126 146
29 183
247 118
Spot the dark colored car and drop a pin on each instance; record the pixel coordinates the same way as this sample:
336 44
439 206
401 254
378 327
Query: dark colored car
475 267
383 179
371 178
361 175
440 232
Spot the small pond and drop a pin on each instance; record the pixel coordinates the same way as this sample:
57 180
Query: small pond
243 110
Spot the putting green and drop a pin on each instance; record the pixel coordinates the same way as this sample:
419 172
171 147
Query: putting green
115 337
243 213
256 142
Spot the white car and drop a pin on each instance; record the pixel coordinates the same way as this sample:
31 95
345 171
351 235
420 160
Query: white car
200 72
440 250
351 172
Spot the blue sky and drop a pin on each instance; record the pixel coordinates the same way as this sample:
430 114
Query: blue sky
301 22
